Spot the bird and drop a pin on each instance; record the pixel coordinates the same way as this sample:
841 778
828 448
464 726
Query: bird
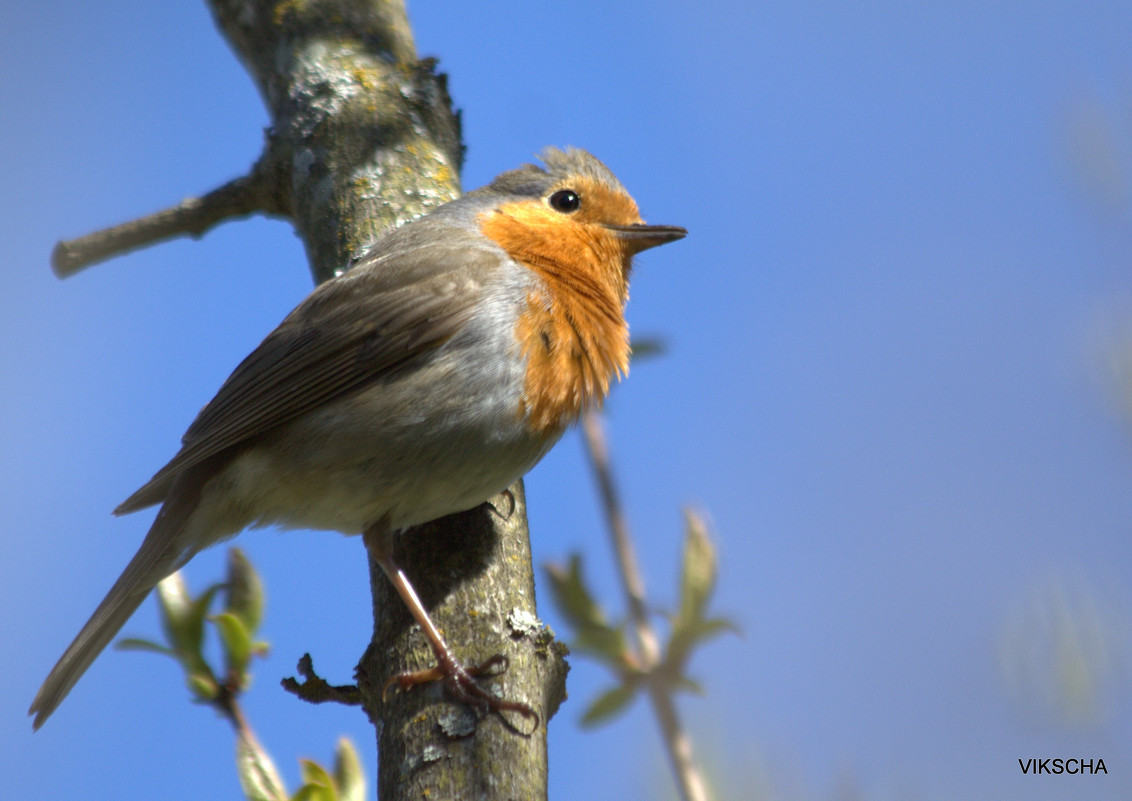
426 378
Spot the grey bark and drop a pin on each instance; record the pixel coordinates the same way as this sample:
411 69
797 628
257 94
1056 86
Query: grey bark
363 138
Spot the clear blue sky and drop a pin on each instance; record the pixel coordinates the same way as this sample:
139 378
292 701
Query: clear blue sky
890 328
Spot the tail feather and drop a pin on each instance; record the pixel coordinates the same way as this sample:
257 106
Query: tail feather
162 552
107 620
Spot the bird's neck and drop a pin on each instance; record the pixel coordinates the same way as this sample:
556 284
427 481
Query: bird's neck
572 331
575 339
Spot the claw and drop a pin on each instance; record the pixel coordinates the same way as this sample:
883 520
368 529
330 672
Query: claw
461 682
511 502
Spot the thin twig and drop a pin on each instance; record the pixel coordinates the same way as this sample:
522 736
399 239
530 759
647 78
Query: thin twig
227 703
316 690
676 740
254 764
679 746
621 540
241 197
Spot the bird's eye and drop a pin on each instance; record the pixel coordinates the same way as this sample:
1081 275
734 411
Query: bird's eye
565 201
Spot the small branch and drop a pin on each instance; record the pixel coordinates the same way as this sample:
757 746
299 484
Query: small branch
258 775
241 197
227 704
676 741
692 787
315 689
621 540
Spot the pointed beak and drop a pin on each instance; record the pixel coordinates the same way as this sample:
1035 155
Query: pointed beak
640 237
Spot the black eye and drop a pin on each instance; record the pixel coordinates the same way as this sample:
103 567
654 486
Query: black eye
565 201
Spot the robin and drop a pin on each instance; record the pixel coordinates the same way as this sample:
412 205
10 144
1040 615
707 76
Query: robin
424 380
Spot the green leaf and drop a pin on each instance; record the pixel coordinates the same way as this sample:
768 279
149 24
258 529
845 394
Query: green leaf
609 704
317 783
698 569
314 792
689 685
348 773
237 644
571 594
182 618
258 777
136 644
605 642
574 600
173 602
648 347
314 773
686 635
690 626
193 627
245 595
203 684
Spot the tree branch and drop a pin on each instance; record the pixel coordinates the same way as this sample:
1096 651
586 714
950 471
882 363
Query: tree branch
473 572
622 542
316 690
370 141
676 740
363 138
256 192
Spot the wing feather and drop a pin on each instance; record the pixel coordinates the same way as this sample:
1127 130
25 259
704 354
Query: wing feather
348 332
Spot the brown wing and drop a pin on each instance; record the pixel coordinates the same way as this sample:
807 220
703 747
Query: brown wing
348 332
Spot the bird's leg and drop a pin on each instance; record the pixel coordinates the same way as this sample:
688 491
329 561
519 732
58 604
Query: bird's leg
511 502
459 680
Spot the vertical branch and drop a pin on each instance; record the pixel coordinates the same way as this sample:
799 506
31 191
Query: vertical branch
363 138
676 740
631 580
366 131
473 571
369 141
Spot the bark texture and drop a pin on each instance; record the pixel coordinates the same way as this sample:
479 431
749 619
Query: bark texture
473 572
363 138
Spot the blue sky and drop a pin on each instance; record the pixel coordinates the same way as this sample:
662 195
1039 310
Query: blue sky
888 384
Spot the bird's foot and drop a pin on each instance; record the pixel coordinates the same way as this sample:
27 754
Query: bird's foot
462 684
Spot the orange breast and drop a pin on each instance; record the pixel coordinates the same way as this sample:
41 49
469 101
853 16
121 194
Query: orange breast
573 332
